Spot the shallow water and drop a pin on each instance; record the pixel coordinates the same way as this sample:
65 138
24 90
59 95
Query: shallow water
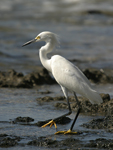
85 28
84 36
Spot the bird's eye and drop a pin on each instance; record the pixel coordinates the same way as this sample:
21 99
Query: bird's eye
37 38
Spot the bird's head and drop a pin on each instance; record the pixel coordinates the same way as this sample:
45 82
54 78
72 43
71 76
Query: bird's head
46 36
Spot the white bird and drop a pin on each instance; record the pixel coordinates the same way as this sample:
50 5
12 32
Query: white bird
68 76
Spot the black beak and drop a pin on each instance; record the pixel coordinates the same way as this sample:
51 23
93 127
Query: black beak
29 42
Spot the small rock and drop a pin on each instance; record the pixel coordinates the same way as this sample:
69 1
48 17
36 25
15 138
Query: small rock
23 119
100 123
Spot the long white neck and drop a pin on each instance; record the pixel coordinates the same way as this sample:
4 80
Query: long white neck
43 55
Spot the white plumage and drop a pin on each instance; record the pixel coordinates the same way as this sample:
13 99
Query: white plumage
70 77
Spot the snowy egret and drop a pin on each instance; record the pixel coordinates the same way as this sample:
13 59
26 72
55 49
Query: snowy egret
68 76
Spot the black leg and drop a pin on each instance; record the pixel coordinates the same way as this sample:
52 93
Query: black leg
77 112
70 111
56 119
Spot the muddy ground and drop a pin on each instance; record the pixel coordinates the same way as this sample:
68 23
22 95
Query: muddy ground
71 143
13 79
18 80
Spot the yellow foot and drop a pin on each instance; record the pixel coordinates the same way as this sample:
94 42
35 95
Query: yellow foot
66 132
50 123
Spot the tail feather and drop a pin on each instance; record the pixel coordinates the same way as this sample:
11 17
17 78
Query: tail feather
94 97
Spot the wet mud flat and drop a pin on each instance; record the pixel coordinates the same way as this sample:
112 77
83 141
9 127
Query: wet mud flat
71 143
96 133
79 141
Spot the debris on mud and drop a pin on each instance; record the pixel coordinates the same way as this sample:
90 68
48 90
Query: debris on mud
23 119
8 141
100 143
43 142
45 99
50 143
98 76
106 107
101 123
63 120
45 92
18 80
